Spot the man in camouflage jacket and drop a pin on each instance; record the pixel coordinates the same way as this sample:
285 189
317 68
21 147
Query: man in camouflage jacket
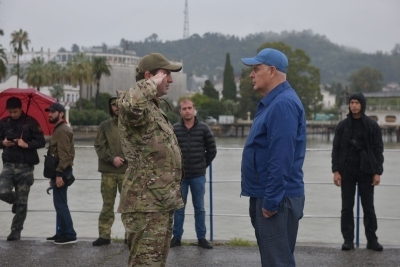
20 137
151 190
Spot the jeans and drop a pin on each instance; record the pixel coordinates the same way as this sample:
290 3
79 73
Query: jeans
352 176
276 236
64 223
197 189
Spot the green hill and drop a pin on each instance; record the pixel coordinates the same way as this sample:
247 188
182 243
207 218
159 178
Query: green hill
206 54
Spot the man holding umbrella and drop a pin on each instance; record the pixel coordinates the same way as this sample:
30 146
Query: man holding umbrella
20 137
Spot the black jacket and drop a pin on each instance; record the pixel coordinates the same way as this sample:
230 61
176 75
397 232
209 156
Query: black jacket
198 147
31 133
373 141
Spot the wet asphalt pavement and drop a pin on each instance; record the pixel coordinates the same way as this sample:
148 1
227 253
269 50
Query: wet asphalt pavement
38 253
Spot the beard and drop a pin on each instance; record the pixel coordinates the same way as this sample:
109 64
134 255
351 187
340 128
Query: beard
54 120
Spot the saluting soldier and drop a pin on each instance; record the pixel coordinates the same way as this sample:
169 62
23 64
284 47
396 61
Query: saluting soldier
152 186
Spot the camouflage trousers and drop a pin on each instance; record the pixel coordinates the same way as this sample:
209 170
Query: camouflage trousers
110 182
20 177
148 235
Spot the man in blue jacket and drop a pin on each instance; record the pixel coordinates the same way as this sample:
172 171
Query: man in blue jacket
272 160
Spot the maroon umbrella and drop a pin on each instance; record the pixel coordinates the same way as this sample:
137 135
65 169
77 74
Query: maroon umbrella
33 103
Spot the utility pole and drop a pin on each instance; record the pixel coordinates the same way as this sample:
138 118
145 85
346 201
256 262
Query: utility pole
186 21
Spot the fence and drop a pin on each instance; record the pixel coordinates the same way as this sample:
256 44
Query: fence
231 156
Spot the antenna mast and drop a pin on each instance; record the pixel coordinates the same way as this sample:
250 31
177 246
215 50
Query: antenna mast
186 22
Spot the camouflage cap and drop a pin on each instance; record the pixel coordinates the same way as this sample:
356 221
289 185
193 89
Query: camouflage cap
113 101
154 61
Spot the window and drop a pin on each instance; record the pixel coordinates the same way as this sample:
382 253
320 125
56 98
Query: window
390 118
375 118
67 97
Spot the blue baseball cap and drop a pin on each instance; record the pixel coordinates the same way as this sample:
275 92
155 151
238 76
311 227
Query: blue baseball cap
269 57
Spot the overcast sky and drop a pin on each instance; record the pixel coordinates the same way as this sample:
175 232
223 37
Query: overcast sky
364 24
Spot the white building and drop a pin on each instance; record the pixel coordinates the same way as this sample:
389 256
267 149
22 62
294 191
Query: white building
71 94
328 99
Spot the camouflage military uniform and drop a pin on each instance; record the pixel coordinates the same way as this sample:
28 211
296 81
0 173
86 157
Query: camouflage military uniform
19 176
151 189
108 146
110 182
16 172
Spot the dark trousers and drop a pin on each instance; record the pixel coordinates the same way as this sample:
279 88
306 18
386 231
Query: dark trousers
65 226
20 177
276 236
352 176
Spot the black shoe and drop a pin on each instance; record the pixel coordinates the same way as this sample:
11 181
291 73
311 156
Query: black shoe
53 238
15 235
65 240
14 208
348 245
374 245
204 243
175 243
101 241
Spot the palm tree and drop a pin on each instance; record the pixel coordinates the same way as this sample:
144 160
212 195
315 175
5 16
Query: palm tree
16 68
55 73
100 66
3 70
35 74
81 72
57 91
3 60
3 57
19 39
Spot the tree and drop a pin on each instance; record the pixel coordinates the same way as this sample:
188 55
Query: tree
19 39
14 71
396 49
152 38
229 85
100 66
3 57
57 91
302 76
3 60
3 70
81 72
230 107
248 97
103 101
75 48
210 91
35 74
366 80
55 73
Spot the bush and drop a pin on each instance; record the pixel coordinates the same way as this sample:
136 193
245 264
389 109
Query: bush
87 117
172 117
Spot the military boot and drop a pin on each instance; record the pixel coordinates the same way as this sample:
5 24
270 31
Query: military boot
15 235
